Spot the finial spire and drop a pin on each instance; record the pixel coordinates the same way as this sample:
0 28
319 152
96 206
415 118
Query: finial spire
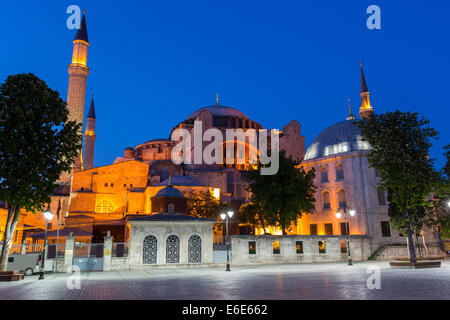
91 112
350 116
217 99
363 79
366 109
82 32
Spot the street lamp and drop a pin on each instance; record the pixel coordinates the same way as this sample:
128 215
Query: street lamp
48 215
347 226
226 217
448 203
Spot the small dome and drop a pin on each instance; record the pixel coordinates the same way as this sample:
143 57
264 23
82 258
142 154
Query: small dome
182 181
218 110
130 148
169 192
342 137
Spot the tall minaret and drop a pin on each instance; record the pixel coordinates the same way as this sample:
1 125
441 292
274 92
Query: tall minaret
78 73
89 138
366 109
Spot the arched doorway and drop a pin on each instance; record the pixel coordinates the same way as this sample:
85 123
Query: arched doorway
195 249
150 250
173 249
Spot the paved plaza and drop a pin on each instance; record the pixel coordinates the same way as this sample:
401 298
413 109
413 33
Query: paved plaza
304 281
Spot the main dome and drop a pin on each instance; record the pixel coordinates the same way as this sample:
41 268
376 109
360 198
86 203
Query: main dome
342 137
218 110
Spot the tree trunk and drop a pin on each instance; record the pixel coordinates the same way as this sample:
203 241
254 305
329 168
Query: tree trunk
11 223
417 244
410 242
424 243
411 247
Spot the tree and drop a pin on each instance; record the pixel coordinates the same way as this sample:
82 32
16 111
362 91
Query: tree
204 205
284 196
441 199
37 144
400 144
251 213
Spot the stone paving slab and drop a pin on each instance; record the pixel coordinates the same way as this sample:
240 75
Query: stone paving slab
286 282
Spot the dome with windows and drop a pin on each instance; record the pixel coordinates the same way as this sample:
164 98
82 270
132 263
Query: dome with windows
342 137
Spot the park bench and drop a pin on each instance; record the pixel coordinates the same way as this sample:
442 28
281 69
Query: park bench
11 275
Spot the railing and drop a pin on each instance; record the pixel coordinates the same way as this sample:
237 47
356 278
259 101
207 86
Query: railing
220 242
15 249
120 249
88 250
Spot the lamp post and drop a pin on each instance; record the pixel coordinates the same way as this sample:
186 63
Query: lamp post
347 226
48 215
226 217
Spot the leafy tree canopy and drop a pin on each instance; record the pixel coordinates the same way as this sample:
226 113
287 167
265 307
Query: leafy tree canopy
400 144
37 141
283 197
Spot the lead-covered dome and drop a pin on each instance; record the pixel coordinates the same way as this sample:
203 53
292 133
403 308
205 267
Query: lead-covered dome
218 110
169 192
342 137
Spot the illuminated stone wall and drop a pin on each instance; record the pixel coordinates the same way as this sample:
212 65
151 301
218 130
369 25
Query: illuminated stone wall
183 229
264 250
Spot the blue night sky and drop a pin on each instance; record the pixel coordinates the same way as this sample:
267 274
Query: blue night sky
154 62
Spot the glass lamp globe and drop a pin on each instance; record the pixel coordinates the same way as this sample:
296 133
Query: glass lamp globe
352 212
48 215
223 216
338 215
230 213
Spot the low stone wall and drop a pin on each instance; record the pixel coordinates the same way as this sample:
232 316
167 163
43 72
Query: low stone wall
120 264
394 252
264 254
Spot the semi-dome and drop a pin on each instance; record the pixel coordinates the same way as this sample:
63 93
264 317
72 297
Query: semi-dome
186 181
218 110
342 137
169 192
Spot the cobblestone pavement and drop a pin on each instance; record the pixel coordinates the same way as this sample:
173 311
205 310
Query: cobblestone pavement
305 281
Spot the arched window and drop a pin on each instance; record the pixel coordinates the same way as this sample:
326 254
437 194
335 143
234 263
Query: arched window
326 200
339 172
195 249
150 250
342 198
173 249
323 175
104 206
171 208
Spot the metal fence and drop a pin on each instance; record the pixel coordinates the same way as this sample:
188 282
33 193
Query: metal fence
88 250
120 249
15 249
220 242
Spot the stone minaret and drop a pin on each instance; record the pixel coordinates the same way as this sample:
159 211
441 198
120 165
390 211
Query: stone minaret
366 109
78 73
89 138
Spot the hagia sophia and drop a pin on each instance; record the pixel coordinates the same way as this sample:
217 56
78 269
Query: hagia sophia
94 200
